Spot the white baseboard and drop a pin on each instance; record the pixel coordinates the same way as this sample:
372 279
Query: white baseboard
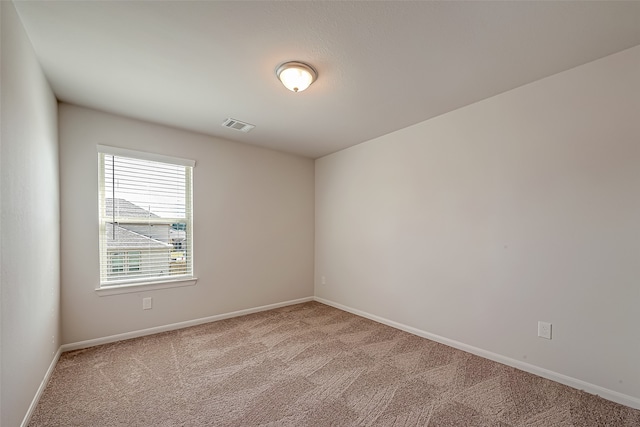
174 326
43 385
605 393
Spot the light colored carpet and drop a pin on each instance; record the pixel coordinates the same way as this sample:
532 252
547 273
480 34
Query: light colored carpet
305 365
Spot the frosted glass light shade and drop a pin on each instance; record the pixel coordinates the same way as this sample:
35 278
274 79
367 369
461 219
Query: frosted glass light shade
296 76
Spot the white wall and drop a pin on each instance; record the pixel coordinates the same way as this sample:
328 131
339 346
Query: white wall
30 248
253 226
476 224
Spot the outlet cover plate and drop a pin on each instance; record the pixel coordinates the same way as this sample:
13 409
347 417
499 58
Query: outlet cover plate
544 330
146 303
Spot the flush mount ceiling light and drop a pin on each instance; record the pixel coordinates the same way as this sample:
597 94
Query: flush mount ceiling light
296 76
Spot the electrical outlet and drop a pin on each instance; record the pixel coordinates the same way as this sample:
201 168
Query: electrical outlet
544 330
146 303
323 280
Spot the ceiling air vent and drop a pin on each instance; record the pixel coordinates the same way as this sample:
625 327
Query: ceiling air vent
238 125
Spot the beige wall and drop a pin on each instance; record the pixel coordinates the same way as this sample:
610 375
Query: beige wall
253 226
476 224
30 249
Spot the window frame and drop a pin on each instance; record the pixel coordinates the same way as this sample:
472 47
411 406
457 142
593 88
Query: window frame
133 284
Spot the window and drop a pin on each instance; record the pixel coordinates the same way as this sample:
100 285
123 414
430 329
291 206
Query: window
134 261
145 216
117 263
123 263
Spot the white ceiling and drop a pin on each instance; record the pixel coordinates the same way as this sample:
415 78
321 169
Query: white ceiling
382 65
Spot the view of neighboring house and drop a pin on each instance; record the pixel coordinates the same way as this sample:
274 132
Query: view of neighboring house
130 253
139 243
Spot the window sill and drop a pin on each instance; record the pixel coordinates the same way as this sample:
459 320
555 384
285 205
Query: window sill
144 286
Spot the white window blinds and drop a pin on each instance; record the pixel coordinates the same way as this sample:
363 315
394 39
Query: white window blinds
145 205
